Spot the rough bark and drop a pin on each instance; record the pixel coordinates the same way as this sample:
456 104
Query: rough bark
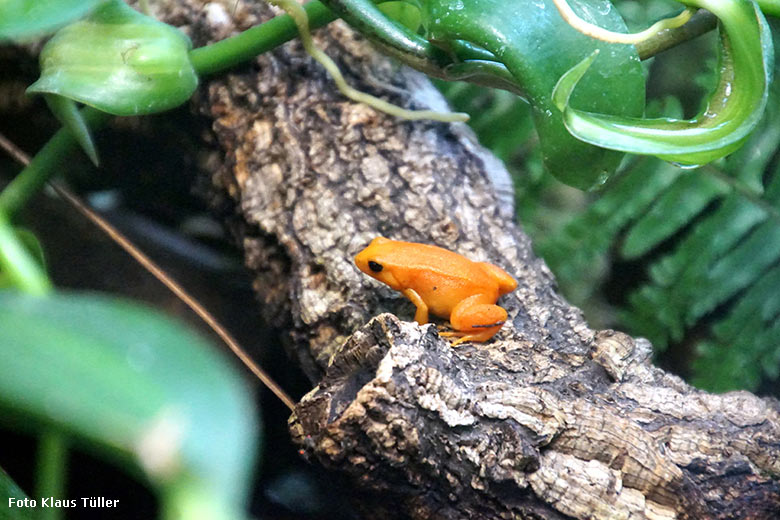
550 419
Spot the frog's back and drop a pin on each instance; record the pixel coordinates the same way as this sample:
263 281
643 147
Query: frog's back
430 257
422 261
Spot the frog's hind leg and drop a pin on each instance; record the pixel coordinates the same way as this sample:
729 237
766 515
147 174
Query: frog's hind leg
475 320
506 283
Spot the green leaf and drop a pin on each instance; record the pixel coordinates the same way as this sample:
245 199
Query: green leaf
68 114
679 278
8 490
18 267
655 293
537 46
649 318
119 61
707 241
744 348
404 13
500 118
722 368
26 19
733 111
146 389
31 244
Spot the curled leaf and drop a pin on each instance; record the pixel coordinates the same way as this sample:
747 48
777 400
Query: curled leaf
733 111
119 61
537 46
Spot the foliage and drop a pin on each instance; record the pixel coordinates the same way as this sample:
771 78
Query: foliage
518 33
9 489
706 241
111 375
732 112
119 61
523 46
141 387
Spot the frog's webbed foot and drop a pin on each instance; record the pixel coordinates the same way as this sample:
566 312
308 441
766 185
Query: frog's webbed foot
462 336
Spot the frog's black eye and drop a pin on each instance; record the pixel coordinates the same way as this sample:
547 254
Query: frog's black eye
374 266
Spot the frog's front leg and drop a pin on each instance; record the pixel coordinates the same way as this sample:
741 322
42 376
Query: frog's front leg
421 315
475 319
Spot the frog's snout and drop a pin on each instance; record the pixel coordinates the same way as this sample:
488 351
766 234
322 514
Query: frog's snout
361 261
368 262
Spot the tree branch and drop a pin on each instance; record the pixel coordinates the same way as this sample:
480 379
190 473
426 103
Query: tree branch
549 420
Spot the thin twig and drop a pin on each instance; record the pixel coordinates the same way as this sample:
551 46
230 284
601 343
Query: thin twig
659 37
17 154
599 33
148 264
301 19
702 22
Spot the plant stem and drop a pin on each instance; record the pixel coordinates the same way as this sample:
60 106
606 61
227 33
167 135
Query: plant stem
50 474
46 163
206 60
702 22
257 40
16 262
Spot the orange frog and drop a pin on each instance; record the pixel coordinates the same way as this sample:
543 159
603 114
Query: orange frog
441 282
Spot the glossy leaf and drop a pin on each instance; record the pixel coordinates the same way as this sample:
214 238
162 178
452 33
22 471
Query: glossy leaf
136 384
733 111
406 14
26 19
119 61
537 46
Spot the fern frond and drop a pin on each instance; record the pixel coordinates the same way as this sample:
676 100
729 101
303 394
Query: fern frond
744 349
674 208
585 241
740 268
678 278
